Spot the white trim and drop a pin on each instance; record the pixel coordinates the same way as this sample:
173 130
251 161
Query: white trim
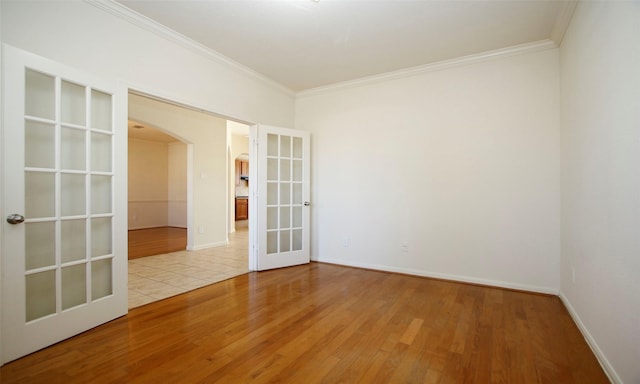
443 276
445 64
153 26
602 359
210 245
563 20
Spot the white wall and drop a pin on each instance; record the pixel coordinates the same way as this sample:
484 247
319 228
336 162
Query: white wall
148 184
600 69
207 136
177 192
451 173
84 36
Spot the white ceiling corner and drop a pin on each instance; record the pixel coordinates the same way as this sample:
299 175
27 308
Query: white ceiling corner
299 45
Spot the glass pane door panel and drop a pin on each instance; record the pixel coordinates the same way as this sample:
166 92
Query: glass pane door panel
285 170
100 236
41 294
40 245
272 193
100 110
74 286
40 99
296 197
297 148
101 273
100 194
272 218
73 243
272 242
73 104
72 194
297 170
72 151
39 194
285 146
285 217
296 240
39 145
100 152
285 241
285 193
272 169
272 145
296 219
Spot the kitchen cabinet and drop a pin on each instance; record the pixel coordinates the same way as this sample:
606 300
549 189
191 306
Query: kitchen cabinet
242 170
242 208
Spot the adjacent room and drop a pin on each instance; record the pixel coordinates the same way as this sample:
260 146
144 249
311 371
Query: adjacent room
473 210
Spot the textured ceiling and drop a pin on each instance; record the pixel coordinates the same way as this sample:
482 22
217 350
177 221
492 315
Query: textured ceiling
304 44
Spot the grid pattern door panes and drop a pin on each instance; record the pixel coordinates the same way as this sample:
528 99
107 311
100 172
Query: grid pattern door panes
284 193
68 181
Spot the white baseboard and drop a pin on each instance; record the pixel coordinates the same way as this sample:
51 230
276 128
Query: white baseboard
444 276
210 245
604 362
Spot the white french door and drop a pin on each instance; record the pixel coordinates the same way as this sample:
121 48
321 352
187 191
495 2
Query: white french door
64 151
279 197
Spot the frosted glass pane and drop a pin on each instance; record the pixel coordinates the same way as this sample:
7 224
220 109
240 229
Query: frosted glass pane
297 217
296 240
285 241
39 145
297 148
72 194
272 218
100 152
297 194
272 169
285 146
101 279
39 194
72 149
39 244
285 217
73 106
285 170
40 100
74 286
297 170
272 242
73 240
100 194
100 110
100 236
285 193
272 193
272 145
40 289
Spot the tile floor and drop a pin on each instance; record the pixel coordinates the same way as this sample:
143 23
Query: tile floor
157 277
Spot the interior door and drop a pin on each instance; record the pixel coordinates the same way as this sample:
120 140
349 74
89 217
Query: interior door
279 197
64 151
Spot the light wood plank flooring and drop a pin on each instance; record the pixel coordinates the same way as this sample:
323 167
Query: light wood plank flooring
157 277
321 323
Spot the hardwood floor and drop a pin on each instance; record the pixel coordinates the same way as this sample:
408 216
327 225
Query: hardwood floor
322 323
154 241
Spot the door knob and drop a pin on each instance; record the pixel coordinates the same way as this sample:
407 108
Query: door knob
15 219
306 203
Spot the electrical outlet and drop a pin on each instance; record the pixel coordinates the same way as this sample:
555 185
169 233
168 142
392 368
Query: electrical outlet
404 248
200 229
345 241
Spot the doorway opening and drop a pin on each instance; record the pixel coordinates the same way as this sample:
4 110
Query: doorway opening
214 251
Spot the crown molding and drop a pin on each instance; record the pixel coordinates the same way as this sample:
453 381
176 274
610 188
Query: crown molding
445 64
563 20
141 21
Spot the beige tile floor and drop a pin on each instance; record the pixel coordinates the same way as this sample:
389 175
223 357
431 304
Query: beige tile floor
157 277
